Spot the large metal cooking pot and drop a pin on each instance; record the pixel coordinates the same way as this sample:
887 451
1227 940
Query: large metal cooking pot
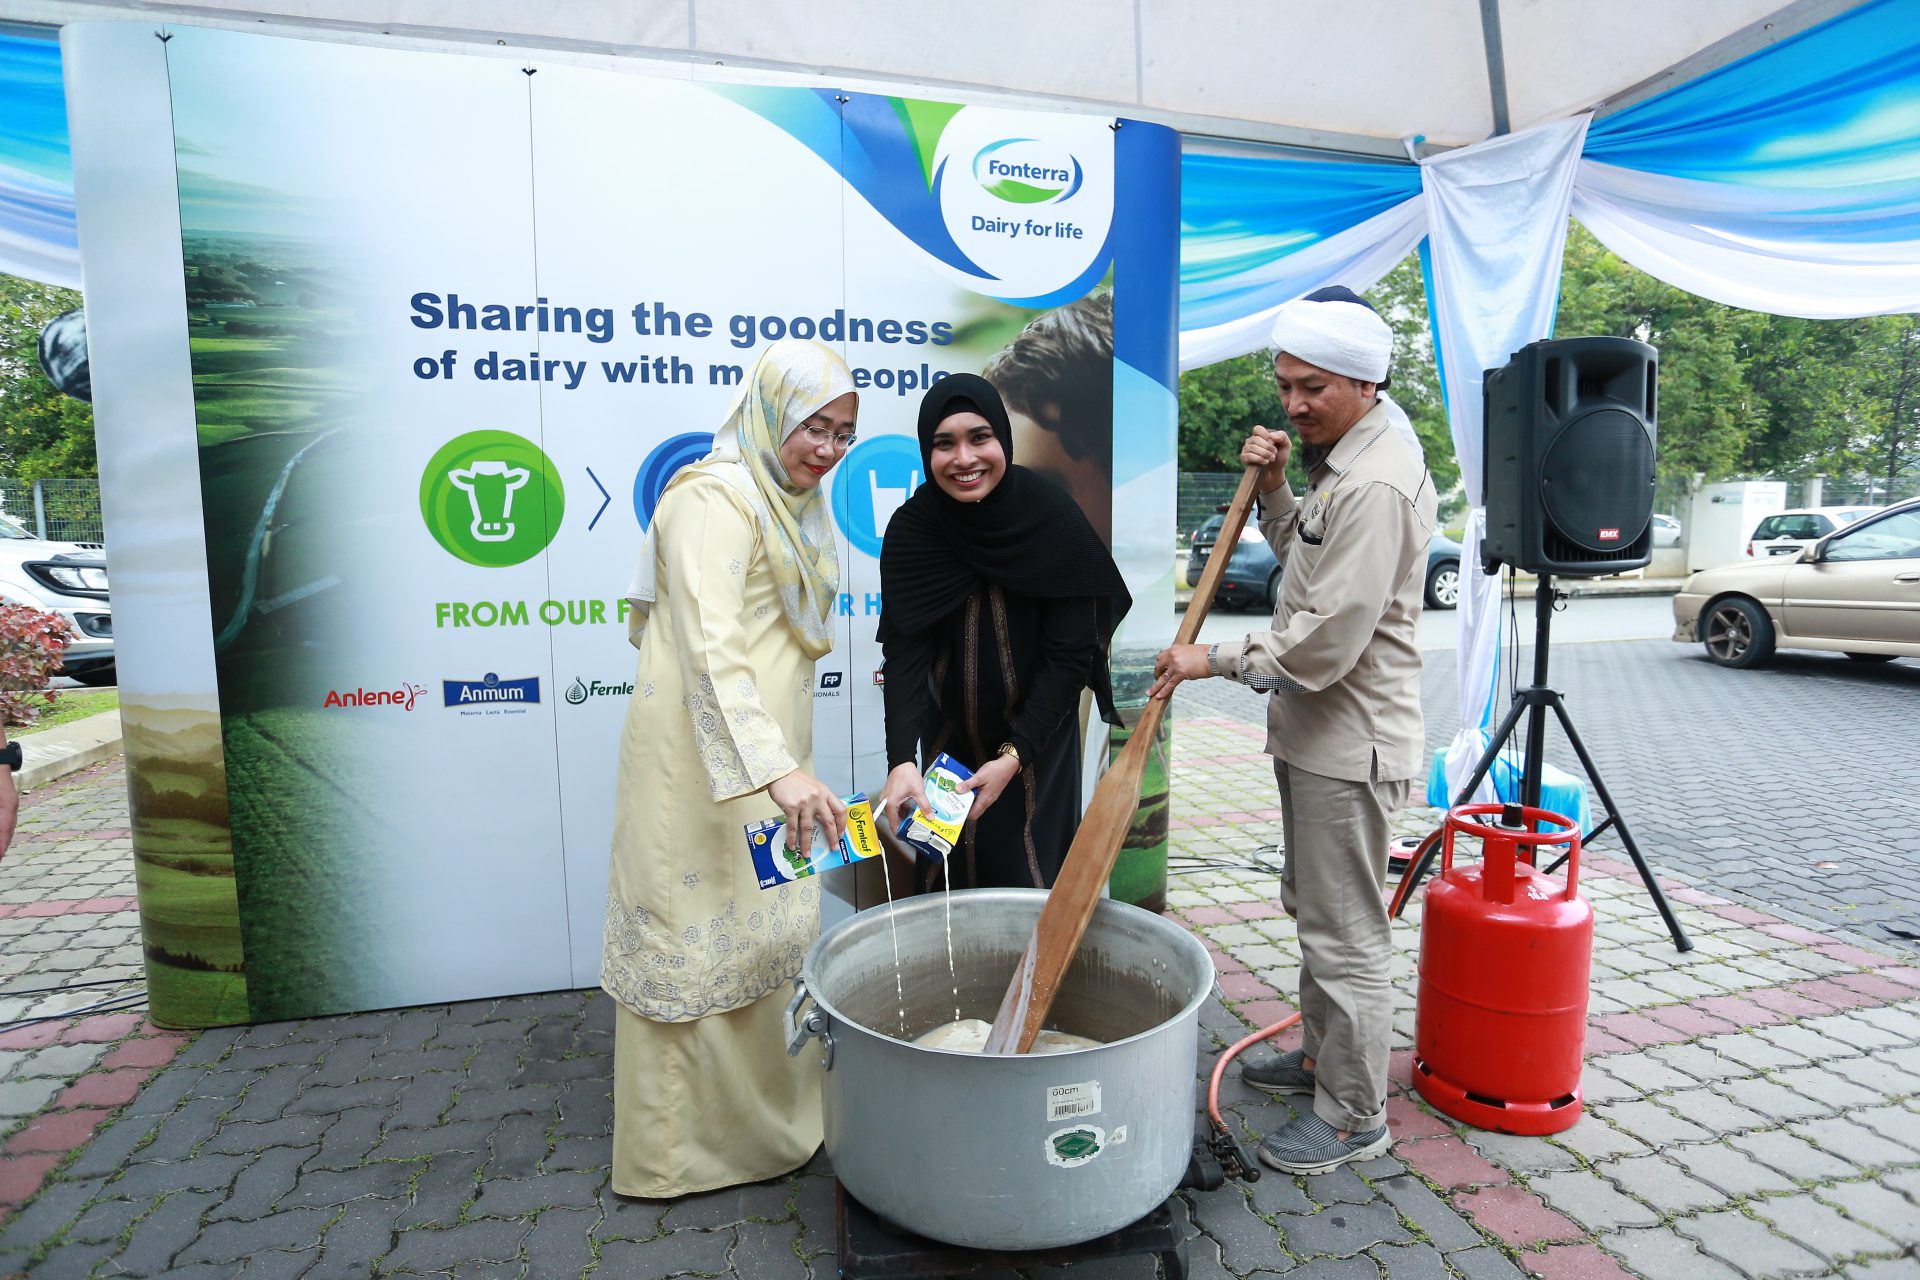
1004 1151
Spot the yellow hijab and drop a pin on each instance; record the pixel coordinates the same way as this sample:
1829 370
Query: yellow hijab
791 381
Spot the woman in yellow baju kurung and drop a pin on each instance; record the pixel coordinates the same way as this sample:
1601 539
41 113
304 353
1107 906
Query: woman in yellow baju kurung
732 606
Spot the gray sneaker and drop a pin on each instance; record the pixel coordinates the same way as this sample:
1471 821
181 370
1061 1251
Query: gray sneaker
1285 1073
1311 1145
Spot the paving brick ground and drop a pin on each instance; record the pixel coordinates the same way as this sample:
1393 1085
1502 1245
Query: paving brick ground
1795 783
1753 1108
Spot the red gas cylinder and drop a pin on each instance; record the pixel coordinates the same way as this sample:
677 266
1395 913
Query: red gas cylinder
1505 956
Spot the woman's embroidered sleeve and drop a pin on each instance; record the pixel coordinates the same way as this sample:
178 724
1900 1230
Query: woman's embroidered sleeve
707 547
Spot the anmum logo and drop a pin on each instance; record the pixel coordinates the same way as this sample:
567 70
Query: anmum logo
1026 171
490 689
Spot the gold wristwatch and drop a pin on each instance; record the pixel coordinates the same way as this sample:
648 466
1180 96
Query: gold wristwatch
1008 749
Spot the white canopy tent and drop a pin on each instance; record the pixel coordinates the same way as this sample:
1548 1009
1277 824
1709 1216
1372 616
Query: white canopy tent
1315 73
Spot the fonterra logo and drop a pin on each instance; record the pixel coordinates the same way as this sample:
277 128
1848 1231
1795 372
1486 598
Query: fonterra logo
490 690
1027 171
582 690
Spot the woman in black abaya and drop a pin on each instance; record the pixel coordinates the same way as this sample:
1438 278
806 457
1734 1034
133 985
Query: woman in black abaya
999 603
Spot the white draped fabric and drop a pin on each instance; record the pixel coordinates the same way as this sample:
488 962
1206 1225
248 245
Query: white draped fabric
1497 217
1358 257
1787 251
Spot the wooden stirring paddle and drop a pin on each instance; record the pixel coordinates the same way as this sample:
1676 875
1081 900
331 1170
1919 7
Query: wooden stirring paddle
1089 862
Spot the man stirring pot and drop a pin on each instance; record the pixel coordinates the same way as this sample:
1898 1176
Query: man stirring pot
1343 722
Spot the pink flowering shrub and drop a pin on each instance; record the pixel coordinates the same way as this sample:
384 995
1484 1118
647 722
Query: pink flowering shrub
32 644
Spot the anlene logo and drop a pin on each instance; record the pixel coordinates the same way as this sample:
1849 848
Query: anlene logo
490 689
404 697
1025 171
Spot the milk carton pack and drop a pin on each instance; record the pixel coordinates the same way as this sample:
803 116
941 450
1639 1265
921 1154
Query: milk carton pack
777 864
935 833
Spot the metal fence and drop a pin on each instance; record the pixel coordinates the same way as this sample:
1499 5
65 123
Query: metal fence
1200 495
1673 493
1850 491
57 510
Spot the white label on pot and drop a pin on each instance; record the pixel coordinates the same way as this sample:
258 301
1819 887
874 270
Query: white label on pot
1073 1146
1072 1101
1119 1136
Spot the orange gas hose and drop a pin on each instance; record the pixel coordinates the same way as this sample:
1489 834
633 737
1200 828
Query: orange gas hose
1241 1046
1238 1048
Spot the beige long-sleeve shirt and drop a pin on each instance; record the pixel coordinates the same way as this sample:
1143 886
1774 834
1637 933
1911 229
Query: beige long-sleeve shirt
722 705
1341 660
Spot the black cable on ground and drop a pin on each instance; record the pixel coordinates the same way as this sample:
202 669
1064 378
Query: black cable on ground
1191 865
68 986
113 1005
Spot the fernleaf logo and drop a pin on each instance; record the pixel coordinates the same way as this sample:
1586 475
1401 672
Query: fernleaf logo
583 690
1026 171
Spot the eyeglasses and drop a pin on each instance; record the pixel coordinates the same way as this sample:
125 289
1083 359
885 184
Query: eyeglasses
817 436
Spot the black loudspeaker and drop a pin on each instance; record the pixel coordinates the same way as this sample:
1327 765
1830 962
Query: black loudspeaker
1569 449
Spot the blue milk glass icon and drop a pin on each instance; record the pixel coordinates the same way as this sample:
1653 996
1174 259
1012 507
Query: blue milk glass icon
875 479
490 487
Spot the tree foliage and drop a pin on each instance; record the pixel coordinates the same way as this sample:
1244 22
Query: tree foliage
1402 298
1220 403
1741 393
43 433
1219 406
1881 425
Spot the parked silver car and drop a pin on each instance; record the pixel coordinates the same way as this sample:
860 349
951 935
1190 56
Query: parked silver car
1855 591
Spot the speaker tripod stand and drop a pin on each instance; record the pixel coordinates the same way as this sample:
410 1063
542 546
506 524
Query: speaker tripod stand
1538 699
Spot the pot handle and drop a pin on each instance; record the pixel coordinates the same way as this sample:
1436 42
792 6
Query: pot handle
803 1029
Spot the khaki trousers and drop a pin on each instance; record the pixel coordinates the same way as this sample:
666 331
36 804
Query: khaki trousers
1336 870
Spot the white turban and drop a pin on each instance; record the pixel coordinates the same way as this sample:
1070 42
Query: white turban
1346 338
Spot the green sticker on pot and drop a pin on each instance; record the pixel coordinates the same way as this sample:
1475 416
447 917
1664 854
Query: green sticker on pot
1072 1147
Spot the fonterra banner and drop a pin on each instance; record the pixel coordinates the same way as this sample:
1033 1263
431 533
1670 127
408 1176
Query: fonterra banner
385 413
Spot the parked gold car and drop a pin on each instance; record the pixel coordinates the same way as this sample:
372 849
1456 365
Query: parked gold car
1855 591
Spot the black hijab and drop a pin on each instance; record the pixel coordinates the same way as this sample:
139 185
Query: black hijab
1028 537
